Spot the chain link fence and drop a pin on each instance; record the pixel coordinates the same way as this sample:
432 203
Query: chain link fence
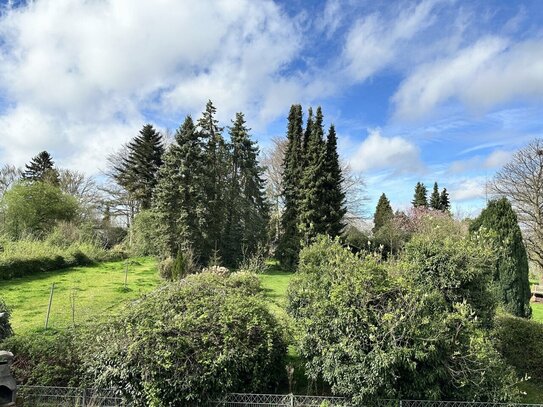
42 396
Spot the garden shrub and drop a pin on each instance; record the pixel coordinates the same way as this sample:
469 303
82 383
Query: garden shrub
145 240
5 326
370 333
47 358
519 341
189 341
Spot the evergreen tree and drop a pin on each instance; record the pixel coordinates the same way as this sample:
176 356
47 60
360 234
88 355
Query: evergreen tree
307 135
444 202
217 167
247 212
138 170
179 197
313 205
383 213
420 198
42 168
334 194
435 198
511 275
289 244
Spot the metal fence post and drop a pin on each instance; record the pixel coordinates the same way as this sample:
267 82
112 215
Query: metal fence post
291 400
84 398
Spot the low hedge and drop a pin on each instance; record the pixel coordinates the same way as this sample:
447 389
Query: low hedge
26 257
520 342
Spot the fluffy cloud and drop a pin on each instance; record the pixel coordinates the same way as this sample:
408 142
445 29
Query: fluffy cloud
489 72
71 70
393 153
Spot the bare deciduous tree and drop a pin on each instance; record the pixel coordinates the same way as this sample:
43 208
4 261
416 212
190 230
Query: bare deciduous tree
83 188
9 174
521 181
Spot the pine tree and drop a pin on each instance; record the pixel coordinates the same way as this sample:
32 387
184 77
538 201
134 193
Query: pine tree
42 168
511 276
383 213
179 197
217 167
444 202
334 195
247 212
420 198
138 170
435 199
289 244
313 205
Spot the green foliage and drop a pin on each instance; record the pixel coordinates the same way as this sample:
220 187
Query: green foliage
511 275
5 326
435 198
34 209
145 237
189 341
41 168
371 335
519 342
137 171
444 201
383 213
356 239
443 256
45 358
420 198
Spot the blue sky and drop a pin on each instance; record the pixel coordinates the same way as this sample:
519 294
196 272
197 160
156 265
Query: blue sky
418 90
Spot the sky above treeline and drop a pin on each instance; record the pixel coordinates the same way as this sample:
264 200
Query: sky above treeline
418 90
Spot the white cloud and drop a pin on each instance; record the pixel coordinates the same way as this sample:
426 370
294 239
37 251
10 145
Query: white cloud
392 153
489 72
373 42
497 159
73 69
467 189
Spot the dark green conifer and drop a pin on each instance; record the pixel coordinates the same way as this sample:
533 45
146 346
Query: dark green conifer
383 213
435 198
444 201
420 198
334 195
511 275
42 168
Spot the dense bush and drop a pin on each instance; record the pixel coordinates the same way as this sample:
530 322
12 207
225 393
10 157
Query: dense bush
35 208
519 341
5 326
30 256
442 255
371 333
144 238
45 358
188 341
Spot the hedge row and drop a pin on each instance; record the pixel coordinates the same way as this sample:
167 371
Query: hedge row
26 257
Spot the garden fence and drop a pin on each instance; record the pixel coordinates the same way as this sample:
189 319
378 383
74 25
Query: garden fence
42 396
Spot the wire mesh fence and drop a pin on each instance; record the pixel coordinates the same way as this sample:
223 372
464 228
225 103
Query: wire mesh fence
42 396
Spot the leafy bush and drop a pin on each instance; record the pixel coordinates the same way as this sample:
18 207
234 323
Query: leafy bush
30 256
370 333
144 235
188 341
46 358
5 326
519 342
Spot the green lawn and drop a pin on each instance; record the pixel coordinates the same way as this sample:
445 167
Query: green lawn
275 282
97 291
537 311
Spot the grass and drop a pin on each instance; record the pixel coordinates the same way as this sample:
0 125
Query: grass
97 292
537 311
275 283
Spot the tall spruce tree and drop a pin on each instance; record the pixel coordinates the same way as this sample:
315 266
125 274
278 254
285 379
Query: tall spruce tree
289 244
444 201
138 170
247 211
217 167
42 168
420 198
511 275
383 213
179 197
435 198
313 204
334 195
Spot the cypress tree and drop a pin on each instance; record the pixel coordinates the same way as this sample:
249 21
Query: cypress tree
216 158
444 201
42 168
313 205
247 213
334 194
511 275
420 198
138 171
383 213
289 244
435 198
